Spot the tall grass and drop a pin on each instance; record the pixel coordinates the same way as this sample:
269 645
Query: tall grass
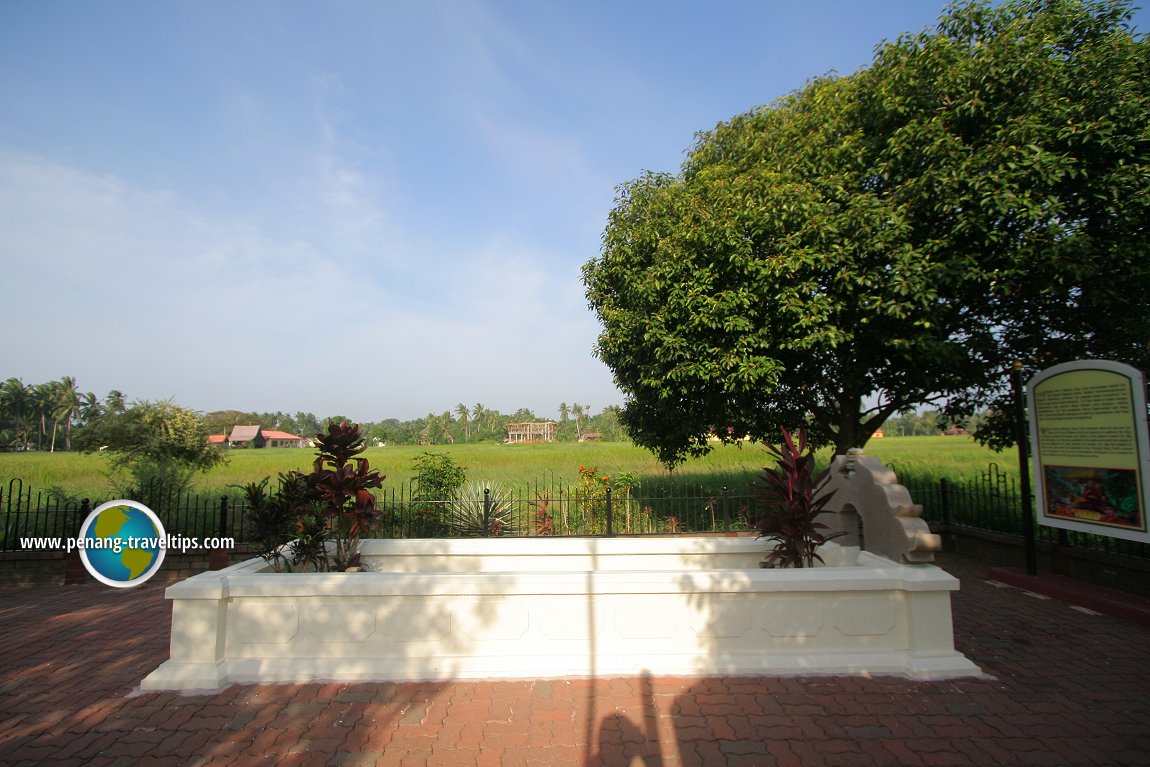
522 466
934 458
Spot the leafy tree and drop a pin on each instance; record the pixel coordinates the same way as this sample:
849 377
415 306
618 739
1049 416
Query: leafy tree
222 421
307 425
607 423
913 424
153 446
896 236
1032 122
523 415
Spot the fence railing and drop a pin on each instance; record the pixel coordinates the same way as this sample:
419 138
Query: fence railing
562 509
26 512
989 502
992 502
551 508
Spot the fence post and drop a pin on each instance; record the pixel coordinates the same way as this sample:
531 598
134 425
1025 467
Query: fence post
487 511
74 571
223 528
944 502
1022 434
218 558
726 510
610 527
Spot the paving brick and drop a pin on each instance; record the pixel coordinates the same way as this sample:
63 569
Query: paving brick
1052 702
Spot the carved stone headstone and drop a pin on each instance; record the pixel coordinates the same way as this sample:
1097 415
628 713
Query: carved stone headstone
866 490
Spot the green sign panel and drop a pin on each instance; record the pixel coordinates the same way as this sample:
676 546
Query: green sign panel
1091 450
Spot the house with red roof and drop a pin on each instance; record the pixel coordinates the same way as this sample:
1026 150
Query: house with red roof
282 439
256 436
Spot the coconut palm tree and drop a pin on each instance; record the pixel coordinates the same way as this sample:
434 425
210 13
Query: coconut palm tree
464 419
40 404
114 402
15 401
445 421
577 413
65 403
479 416
90 407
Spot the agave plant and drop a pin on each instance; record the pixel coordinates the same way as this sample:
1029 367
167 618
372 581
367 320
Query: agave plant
481 511
792 505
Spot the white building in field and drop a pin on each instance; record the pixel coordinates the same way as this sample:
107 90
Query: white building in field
534 431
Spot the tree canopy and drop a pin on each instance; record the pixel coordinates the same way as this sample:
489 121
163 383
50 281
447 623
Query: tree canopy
890 238
157 445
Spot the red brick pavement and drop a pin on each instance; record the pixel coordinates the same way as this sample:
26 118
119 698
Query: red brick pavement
1068 688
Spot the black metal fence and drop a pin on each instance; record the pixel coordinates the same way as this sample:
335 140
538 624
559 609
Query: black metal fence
993 503
542 508
560 508
989 502
29 513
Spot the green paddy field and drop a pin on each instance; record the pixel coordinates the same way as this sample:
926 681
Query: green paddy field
520 466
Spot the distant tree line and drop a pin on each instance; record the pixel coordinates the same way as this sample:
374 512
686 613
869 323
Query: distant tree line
54 416
45 416
912 423
51 416
462 424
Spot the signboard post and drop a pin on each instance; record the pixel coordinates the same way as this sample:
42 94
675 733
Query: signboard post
1091 448
1024 470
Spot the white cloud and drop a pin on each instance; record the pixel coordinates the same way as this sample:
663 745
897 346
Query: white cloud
135 289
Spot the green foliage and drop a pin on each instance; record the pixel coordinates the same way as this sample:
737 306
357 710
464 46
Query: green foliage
591 497
481 510
438 480
522 470
273 517
152 481
332 503
791 505
45 409
437 477
153 447
1018 138
896 236
309 546
269 527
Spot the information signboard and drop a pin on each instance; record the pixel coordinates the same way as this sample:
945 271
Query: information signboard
1091 448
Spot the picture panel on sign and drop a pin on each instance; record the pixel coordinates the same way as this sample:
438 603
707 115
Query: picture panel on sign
1089 437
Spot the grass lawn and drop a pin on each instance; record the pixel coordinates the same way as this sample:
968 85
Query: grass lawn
518 466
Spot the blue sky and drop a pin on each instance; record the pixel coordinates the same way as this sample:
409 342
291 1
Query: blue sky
377 209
